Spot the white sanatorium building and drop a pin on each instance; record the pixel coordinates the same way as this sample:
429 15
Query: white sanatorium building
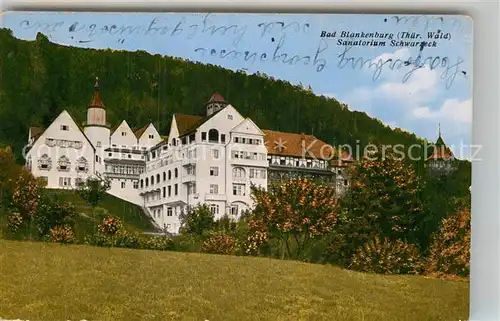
212 159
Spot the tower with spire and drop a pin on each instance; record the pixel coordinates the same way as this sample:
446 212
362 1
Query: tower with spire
215 103
96 127
442 159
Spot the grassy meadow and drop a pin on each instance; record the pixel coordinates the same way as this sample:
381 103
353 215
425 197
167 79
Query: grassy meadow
47 281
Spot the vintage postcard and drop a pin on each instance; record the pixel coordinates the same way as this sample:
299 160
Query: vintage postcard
209 166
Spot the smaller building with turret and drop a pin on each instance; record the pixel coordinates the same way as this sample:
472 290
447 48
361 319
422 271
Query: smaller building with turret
442 160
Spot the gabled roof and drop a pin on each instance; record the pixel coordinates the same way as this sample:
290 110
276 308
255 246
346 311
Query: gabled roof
36 131
96 99
114 128
186 122
292 145
41 130
139 131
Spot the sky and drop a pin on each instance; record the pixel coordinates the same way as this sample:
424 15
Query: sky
433 87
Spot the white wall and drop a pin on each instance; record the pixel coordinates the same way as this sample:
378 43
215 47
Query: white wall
145 140
123 136
55 133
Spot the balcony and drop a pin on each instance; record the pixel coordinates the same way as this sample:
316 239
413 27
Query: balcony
188 179
188 161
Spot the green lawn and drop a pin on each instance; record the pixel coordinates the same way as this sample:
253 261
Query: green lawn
41 281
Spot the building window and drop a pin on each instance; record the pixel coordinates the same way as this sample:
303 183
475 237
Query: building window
215 153
97 159
176 173
164 192
214 189
214 171
64 181
213 135
238 172
257 173
65 127
82 165
164 176
124 134
345 182
123 184
234 210
169 175
152 180
147 182
214 208
157 178
176 190
110 154
136 184
239 189
229 116
151 136
45 163
169 190
63 164
204 136
169 211
223 138
98 144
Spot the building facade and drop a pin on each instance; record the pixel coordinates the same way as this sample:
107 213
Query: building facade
212 159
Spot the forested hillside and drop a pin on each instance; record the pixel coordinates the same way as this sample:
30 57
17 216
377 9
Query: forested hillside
39 79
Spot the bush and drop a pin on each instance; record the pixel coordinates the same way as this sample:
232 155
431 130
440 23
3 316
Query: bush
110 226
186 243
220 243
14 222
53 212
387 257
198 221
449 252
126 239
61 234
157 242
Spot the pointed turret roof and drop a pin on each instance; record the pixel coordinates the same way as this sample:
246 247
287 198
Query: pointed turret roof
441 151
216 98
96 99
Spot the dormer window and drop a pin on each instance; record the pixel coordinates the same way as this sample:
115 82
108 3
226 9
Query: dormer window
65 127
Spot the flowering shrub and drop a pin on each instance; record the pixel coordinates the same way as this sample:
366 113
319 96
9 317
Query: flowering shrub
62 234
100 239
255 241
110 226
387 257
449 252
14 222
156 242
295 212
126 239
220 243
26 196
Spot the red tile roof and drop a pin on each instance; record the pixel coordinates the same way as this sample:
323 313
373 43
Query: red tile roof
292 144
186 123
96 99
216 98
441 151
